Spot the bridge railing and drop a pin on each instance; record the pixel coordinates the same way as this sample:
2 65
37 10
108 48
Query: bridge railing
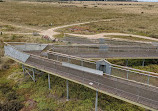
128 73
72 59
123 88
83 40
101 51
141 76
145 77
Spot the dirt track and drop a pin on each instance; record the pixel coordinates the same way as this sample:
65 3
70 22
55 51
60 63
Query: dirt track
101 35
52 32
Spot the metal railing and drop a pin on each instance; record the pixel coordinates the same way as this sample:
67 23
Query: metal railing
128 73
141 76
104 51
122 88
83 40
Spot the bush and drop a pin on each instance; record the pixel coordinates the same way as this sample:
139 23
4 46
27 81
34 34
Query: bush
13 105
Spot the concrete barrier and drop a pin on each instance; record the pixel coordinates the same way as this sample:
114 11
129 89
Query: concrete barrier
81 68
31 47
12 52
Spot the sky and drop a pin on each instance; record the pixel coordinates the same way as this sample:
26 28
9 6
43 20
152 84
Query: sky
148 0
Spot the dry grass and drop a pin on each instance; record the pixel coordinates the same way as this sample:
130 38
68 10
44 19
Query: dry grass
134 18
135 24
43 14
6 27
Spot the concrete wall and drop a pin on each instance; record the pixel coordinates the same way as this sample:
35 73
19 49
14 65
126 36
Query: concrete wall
15 54
81 68
31 47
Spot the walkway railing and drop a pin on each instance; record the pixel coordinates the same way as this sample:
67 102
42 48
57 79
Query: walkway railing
141 76
105 51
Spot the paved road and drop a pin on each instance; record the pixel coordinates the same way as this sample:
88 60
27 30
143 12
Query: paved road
133 92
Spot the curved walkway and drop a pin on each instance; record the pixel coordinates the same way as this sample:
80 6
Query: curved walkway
101 35
51 32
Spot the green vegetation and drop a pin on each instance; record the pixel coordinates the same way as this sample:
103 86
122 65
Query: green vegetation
9 98
150 64
21 93
7 28
37 96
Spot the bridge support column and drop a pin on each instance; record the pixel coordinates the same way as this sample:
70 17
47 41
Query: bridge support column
96 101
127 75
33 72
81 62
127 62
143 63
67 89
148 81
29 71
23 68
68 60
57 58
49 81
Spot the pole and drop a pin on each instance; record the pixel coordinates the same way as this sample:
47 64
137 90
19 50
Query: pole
81 62
33 71
143 62
96 101
49 81
23 68
67 87
127 62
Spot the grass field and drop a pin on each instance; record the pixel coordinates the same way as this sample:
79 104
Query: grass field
17 92
132 24
43 14
132 18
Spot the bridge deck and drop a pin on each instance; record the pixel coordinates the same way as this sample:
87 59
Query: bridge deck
131 91
139 93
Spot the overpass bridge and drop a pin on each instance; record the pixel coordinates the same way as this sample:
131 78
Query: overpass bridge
128 84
